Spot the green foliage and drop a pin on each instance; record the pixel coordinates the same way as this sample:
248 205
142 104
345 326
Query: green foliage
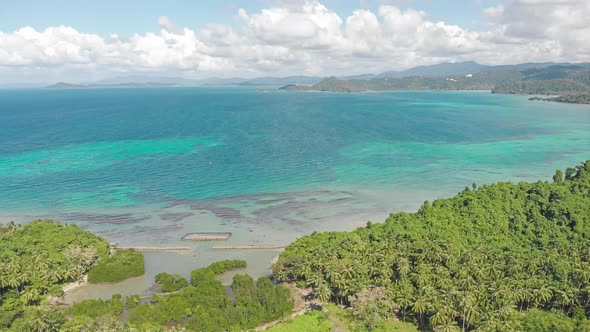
205 306
39 319
120 266
558 177
335 318
571 83
95 308
474 261
242 282
545 87
132 301
541 321
227 265
312 321
170 282
372 307
38 258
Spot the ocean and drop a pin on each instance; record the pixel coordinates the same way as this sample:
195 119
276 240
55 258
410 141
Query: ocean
144 166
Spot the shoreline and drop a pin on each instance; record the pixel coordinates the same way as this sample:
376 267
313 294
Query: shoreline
490 91
250 247
75 285
68 288
155 248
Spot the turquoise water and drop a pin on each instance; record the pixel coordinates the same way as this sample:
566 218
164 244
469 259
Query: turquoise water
145 166
73 151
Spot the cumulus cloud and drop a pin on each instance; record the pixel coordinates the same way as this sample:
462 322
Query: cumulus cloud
562 23
166 23
494 11
310 38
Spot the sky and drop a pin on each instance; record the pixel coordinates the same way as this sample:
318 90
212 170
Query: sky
81 41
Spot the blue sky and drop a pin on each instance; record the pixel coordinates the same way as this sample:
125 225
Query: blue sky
58 40
135 16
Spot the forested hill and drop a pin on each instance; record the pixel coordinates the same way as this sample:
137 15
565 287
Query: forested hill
503 257
571 80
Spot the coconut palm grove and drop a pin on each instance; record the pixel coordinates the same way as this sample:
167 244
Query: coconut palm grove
502 257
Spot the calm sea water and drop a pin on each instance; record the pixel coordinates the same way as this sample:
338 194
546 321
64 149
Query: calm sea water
145 166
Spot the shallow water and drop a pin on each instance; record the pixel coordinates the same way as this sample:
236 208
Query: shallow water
145 166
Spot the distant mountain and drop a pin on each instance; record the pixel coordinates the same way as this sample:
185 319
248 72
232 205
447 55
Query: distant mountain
469 67
438 70
552 80
211 81
141 79
440 76
485 80
63 85
568 80
278 81
358 77
169 80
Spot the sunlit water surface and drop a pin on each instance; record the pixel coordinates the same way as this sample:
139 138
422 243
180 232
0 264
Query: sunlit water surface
146 166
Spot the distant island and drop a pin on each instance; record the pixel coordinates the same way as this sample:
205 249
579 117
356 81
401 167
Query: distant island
561 82
153 81
63 85
571 83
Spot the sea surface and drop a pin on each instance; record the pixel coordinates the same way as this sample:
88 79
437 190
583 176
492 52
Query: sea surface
145 166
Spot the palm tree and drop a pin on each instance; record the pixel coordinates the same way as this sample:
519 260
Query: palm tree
4 280
420 307
13 266
542 294
565 298
323 292
405 300
447 327
469 304
30 295
13 281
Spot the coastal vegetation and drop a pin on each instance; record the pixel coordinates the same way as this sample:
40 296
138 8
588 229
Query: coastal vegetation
542 87
312 321
579 98
37 259
227 265
333 317
501 257
121 265
95 308
170 282
206 305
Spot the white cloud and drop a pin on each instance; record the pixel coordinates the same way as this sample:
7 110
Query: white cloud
310 26
307 38
494 11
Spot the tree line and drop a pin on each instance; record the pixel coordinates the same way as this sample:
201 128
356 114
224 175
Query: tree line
494 258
